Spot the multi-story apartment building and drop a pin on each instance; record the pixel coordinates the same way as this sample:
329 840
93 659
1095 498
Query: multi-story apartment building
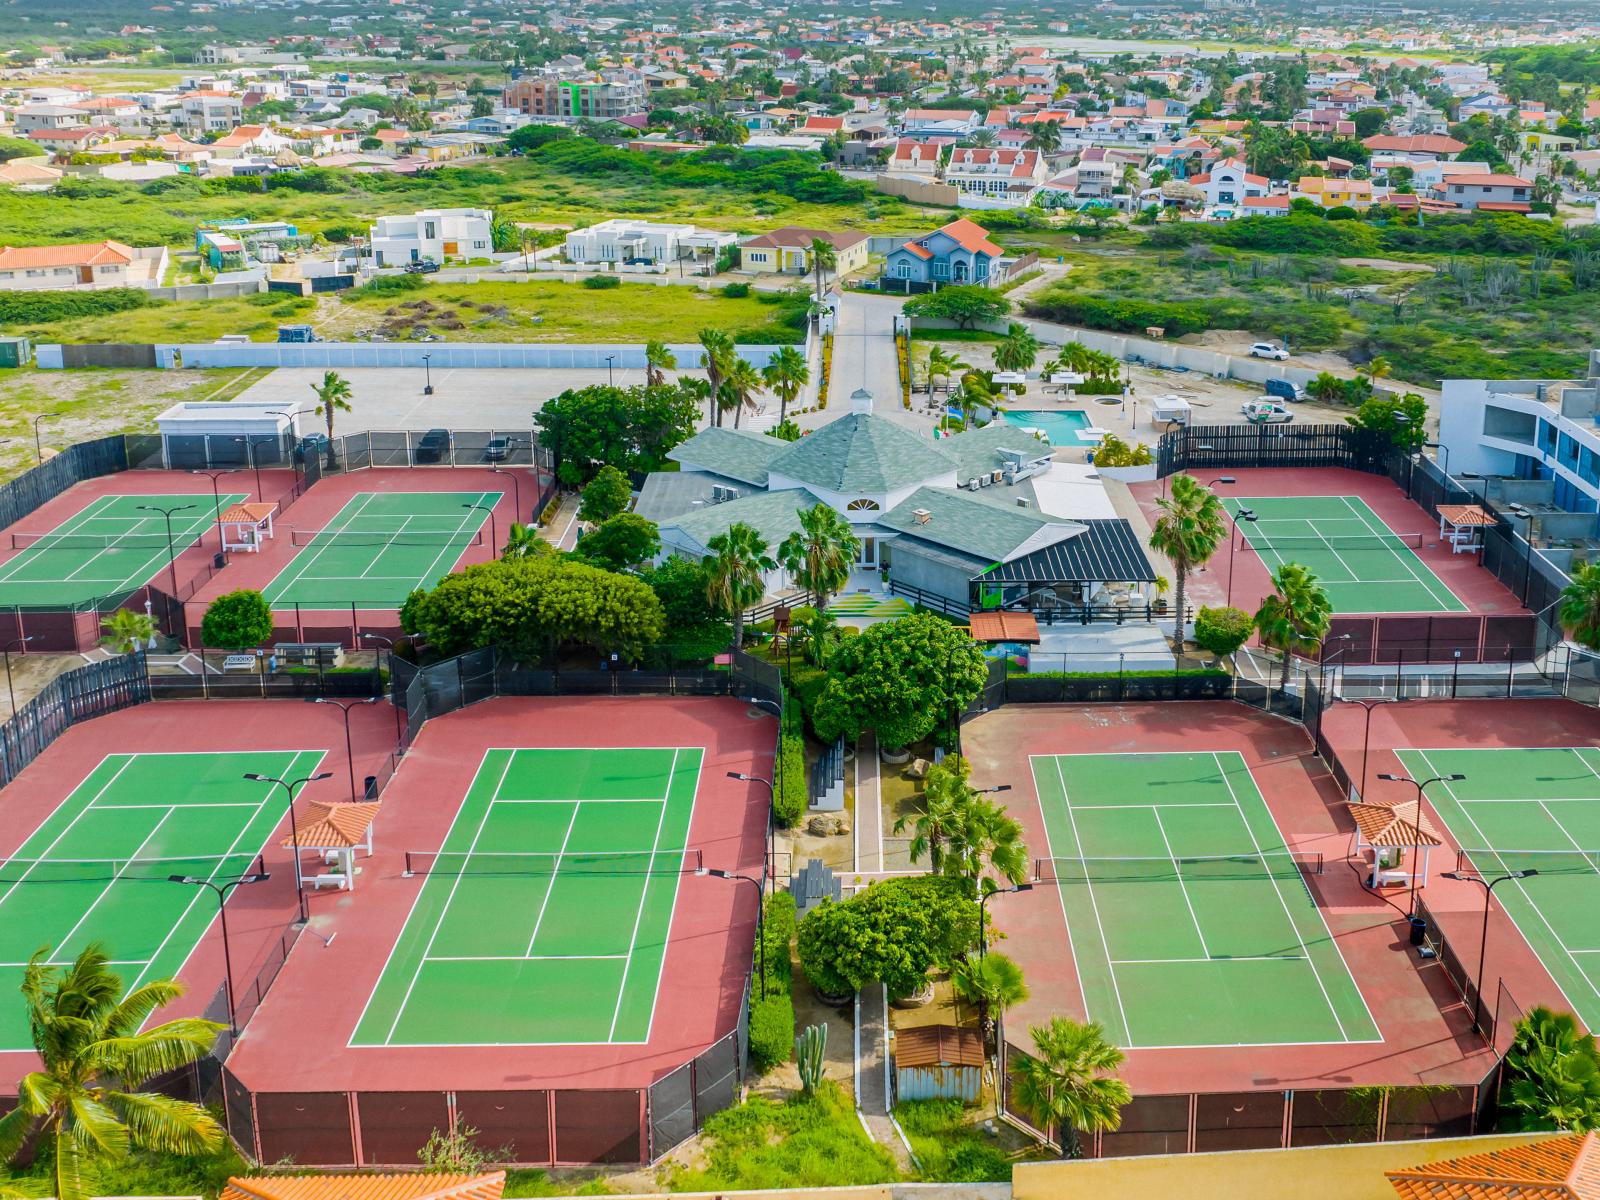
210 111
608 96
435 233
988 171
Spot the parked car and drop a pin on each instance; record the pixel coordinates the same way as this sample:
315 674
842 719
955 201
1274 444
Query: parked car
1268 350
433 446
423 266
497 449
1264 410
1282 389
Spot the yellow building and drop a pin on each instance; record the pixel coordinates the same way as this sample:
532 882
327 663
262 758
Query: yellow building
787 251
1336 193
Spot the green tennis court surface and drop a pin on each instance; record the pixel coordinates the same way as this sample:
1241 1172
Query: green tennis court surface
112 547
1365 566
96 870
1189 919
381 547
1535 809
544 916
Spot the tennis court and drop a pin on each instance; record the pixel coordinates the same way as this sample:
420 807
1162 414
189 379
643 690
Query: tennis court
1190 920
97 869
1365 566
380 547
543 917
115 545
1532 809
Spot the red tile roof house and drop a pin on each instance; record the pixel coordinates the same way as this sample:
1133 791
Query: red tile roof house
993 172
1561 1168
1489 193
75 139
81 267
957 253
1426 147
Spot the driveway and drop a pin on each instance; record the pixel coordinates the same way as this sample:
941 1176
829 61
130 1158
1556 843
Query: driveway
863 356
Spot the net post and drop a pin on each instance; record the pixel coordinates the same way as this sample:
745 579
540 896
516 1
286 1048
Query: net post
410 867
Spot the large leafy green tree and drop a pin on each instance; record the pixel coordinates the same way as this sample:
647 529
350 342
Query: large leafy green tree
1191 526
892 933
95 1054
1554 1073
968 305
1294 617
533 607
1580 604
630 429
1068 1083
621 543
818 554
1402 423
237 620
735 573
606 495
901 679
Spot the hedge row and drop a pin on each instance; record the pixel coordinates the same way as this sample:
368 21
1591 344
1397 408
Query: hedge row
38 308
772 1011
789 799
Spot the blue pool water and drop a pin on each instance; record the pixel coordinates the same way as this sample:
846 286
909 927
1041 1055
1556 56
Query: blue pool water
1064 428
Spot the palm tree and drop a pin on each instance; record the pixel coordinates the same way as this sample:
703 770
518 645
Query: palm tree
1295 617
741 382
88 1035
1555 1074
734 573
523 541
945 794
718 347
1018 351
333 395
823 259
1044 136
786 373
1188 531
1378 368
658 360
991 982
1580 604
819 554
818 629
942 363
1067 1085
986 838
1326 386
983 138
126 631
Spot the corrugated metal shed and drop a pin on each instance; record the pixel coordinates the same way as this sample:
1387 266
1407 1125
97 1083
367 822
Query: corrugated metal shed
936 1061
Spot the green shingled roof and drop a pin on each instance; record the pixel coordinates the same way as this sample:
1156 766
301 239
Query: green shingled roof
735 453
963 521
978 450
863 453
774 515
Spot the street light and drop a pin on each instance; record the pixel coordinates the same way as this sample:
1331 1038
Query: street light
349 753
1366 735
216 499
494 539
610 362
250 459
222 890
771 803
1488 886
291 787
172 558
1443 449
983 935
427 375
992 791
761 916
38 448
11 691
1244 514
399 730
516 485
1420 788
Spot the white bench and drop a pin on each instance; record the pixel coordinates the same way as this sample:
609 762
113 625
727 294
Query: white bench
239 662
333 879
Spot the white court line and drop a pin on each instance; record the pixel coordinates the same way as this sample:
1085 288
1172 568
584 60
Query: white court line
555 872
276 588
1182 886
483 519
1142 804
1094 905
1405 559
89 908
1226 958
384 549
525 957
644 894
44 855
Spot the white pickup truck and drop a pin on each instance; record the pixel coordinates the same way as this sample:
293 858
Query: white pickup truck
1264 410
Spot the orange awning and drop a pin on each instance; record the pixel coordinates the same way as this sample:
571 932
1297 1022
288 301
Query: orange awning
1005 627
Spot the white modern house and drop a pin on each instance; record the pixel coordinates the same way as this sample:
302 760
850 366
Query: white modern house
645 243
434 233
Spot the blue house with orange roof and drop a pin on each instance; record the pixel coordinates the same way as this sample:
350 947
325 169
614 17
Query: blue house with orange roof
957 253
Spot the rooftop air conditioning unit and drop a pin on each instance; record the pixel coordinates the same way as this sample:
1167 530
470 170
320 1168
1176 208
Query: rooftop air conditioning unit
1024 502
994 476
984 481
921 515
730 493
718 493
972 484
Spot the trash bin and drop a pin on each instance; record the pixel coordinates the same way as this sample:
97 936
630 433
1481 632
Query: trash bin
369 789
1419 931
219 560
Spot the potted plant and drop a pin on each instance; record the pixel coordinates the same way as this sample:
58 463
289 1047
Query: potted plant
1163 586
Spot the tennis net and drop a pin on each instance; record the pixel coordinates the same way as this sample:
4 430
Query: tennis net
1285 865
133 870
665 861
1483 861
452 536
1354 541
100 541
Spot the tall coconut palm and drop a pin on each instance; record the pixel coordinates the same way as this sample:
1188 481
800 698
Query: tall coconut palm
126 631
741 382
333 395
1294 618
734 573
658 360
824 258
945 796
819 554
786 374
1580 604
718 347
986 839
1067 1084
1188 531
95 1053
1019 349
991 982
943 364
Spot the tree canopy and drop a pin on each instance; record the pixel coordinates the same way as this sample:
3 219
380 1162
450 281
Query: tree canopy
237 620
965 304
892 933
621 542
901 679
630 429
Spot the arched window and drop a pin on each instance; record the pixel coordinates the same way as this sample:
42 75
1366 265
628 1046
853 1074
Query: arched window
863 505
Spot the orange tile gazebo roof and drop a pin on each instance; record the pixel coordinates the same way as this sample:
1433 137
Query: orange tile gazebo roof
248 514
1462 515
1394 825
1559 1168
335 826
413 1186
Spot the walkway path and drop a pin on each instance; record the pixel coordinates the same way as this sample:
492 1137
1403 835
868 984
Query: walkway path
864 356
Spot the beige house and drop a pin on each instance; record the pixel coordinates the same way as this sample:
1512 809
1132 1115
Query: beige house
787 251
84 266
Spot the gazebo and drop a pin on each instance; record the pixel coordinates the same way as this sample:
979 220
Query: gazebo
336 832
1462 525
1387 831
1005 627
244 526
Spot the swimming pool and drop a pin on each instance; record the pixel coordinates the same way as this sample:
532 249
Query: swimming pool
1063 428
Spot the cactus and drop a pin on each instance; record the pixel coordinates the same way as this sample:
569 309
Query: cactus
809 1050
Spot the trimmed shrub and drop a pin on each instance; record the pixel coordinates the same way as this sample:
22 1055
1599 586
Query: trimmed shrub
771 1031
38 308
1221 630
601 282
772 1013
789 800
736 291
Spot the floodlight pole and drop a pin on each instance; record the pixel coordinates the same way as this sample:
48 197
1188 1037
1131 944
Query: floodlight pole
222 890
38 447
1420 786
516 484
761 916
771 802
349 752
172 558
1366 735
983 929
216 500
494 538
1244 514
1488 886
292 786
399 731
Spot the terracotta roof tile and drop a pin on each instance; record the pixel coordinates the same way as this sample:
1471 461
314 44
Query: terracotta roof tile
335 825
78 254
415 1186
1559 1168
1394 825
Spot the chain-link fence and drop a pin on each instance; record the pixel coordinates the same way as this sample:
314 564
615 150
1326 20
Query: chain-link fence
77 695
